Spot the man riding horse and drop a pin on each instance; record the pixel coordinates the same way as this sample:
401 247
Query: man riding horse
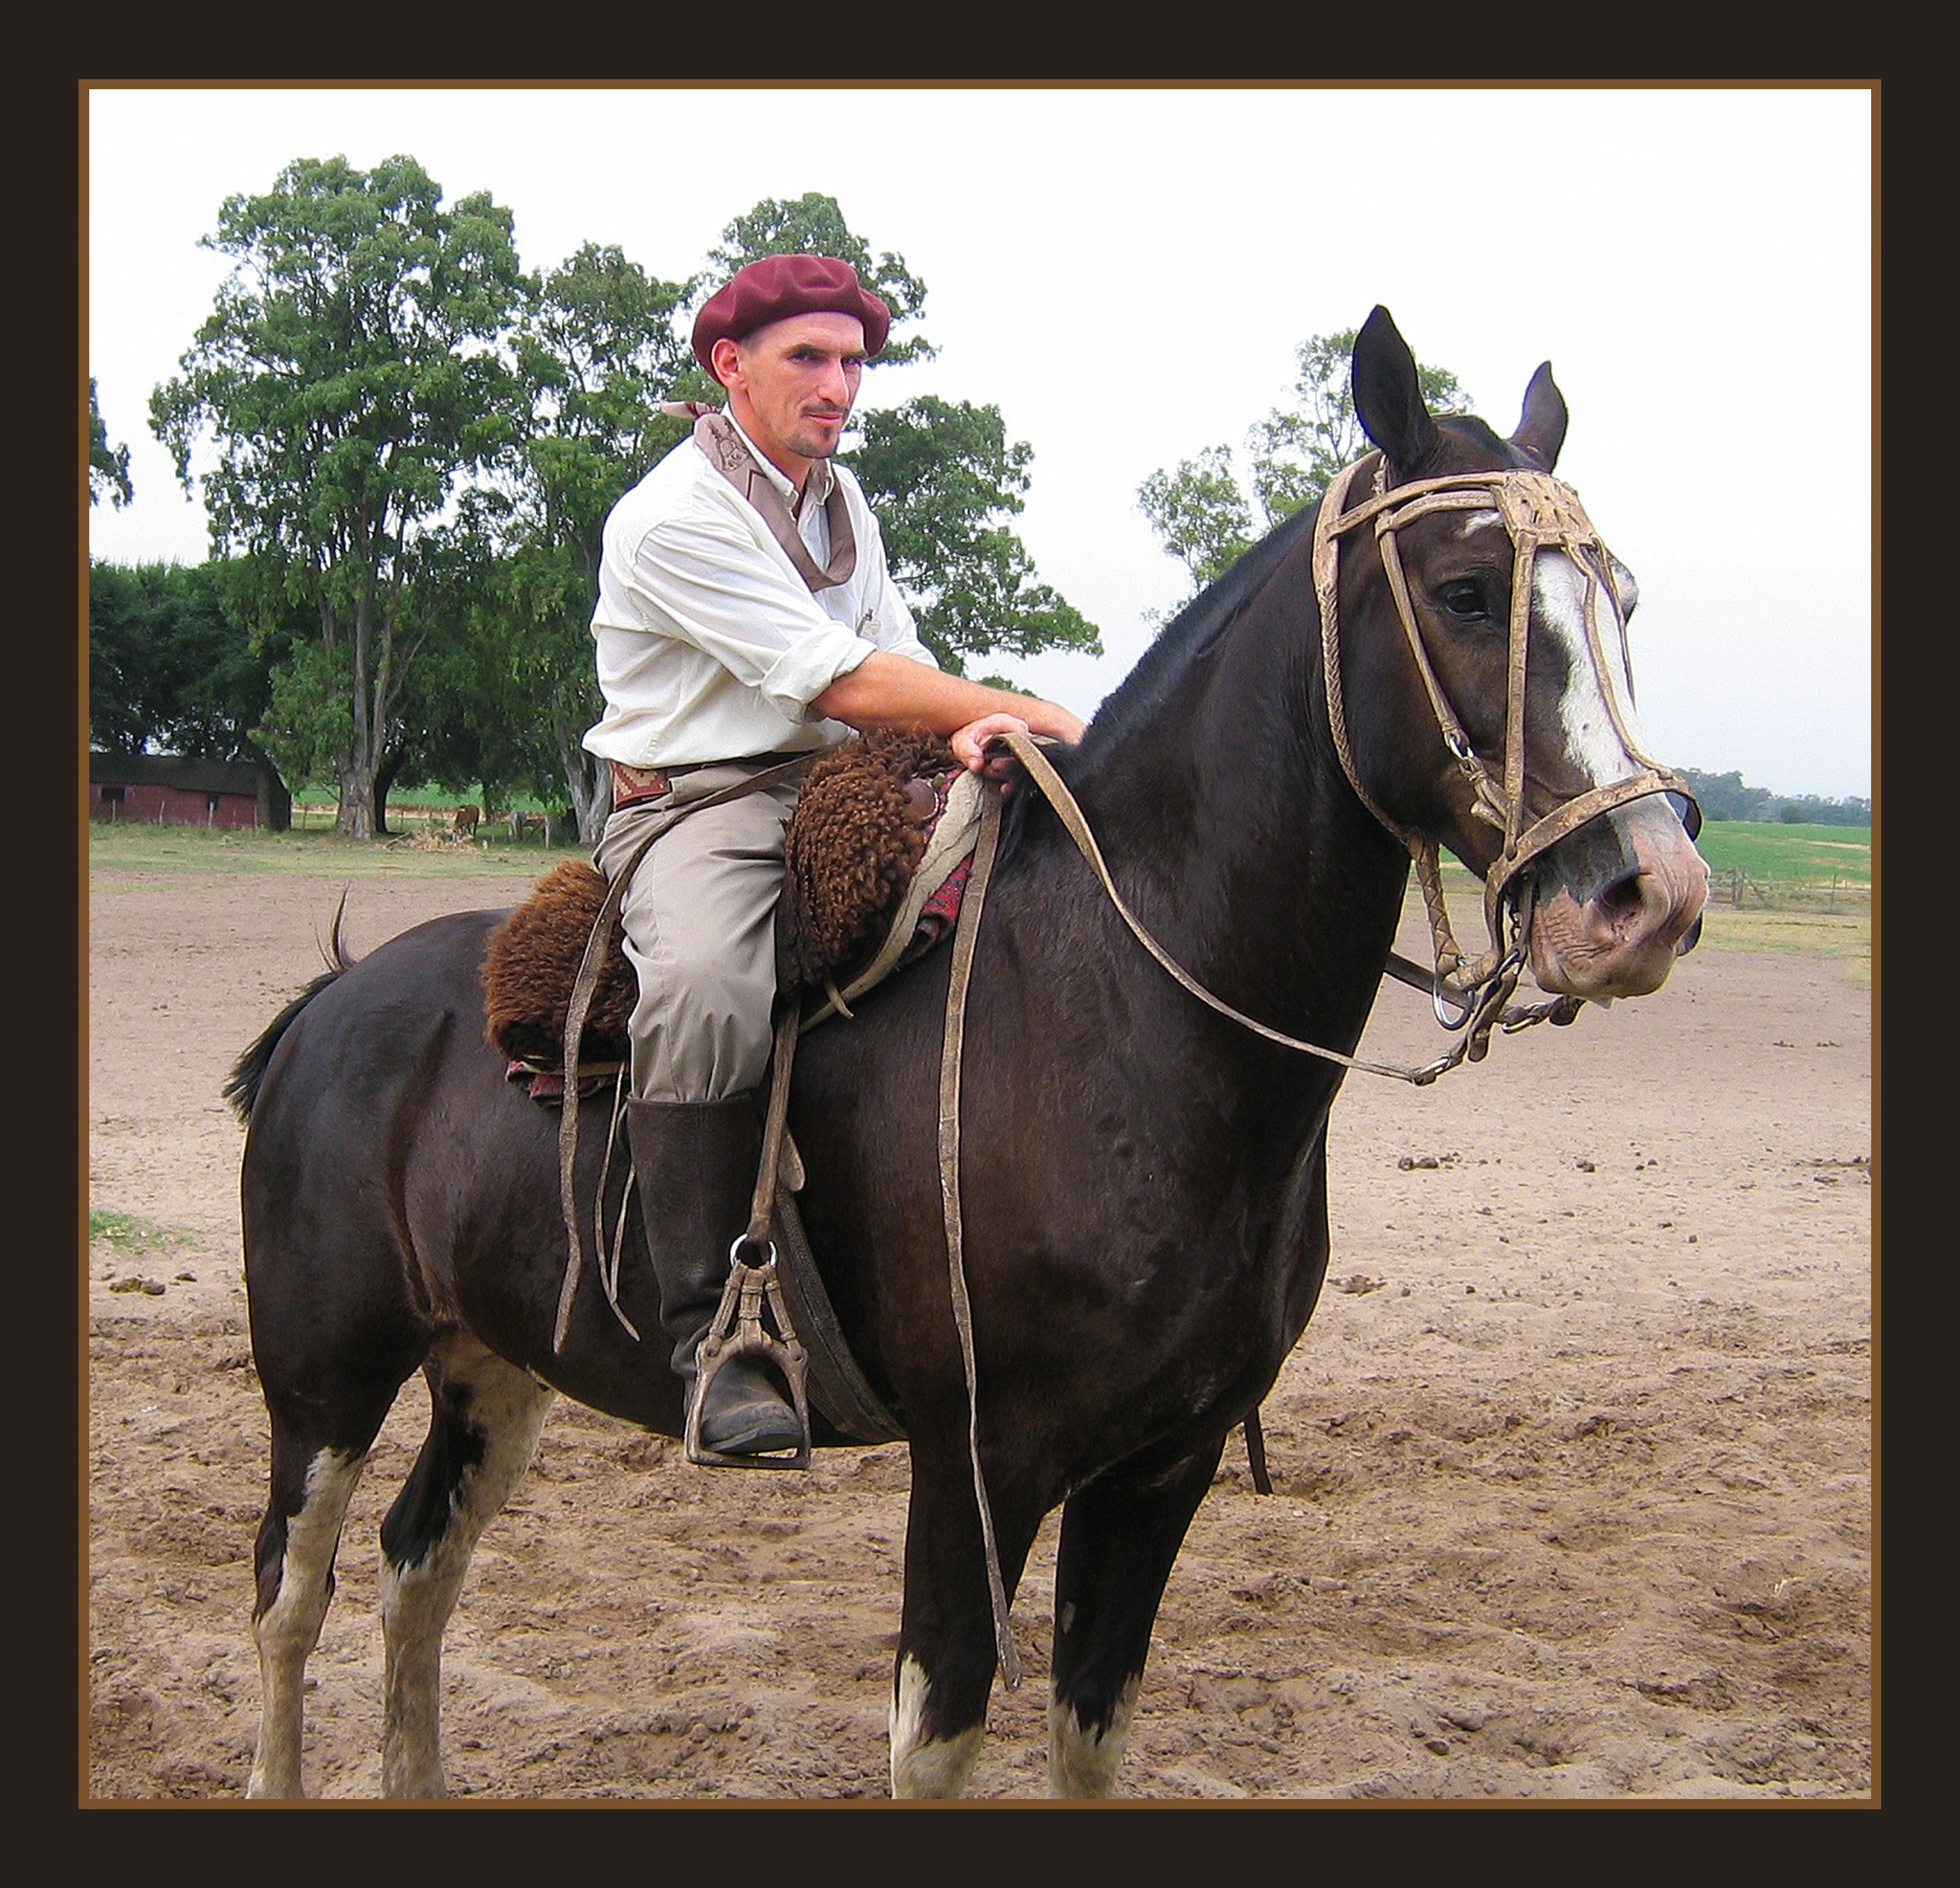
746 618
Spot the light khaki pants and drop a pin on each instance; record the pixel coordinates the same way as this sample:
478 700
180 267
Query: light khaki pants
699 931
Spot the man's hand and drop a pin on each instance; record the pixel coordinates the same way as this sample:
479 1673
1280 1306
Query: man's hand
890 690
970 745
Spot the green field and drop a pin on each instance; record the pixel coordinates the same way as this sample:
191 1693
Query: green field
323 854
1776 887
1792 854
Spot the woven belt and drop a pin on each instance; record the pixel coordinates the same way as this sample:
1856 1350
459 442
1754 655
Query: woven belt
633 784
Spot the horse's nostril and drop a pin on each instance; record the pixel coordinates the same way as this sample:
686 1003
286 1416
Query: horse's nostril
1623 897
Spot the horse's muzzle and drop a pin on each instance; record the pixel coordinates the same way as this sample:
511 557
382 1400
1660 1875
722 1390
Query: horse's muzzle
1618 900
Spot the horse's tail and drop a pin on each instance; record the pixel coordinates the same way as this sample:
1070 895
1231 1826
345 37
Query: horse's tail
248 1073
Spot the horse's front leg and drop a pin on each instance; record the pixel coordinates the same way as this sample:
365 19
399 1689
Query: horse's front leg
943 1670
1120 1538
483 1427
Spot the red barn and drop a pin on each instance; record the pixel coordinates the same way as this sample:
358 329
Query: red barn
174 790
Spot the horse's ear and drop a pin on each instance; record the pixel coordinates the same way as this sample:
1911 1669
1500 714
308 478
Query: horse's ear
1541 430
1388 398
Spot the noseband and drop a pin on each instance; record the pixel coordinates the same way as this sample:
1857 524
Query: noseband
1539 513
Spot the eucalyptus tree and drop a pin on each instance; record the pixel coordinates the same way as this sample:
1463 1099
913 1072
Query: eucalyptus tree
108 466
942 476
351 376
597 350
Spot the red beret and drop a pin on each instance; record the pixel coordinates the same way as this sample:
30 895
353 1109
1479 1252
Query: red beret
780 286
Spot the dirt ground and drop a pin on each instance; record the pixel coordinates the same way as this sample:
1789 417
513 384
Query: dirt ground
1573 1476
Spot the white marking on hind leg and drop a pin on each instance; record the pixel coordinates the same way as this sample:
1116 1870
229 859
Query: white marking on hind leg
1081 1763
289 1628
417 1600
922 1768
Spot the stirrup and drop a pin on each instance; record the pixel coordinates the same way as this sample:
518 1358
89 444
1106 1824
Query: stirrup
737 1330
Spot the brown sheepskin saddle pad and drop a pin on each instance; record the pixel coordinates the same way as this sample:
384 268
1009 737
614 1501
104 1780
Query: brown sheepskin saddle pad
864 820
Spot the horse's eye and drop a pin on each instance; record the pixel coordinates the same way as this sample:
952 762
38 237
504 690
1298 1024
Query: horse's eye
1463 600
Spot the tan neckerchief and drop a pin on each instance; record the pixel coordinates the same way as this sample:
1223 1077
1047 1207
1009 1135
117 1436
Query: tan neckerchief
728 452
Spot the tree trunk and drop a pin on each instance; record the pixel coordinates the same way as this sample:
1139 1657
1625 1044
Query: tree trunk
356 817
590 783
383 786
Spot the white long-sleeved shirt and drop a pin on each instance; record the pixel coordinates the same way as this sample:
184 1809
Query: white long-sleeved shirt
710 647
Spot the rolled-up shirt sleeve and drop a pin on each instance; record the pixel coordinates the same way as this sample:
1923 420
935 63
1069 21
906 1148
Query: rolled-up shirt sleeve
720 591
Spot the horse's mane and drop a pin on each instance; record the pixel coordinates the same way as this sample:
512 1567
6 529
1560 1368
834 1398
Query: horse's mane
1196 629
1190 636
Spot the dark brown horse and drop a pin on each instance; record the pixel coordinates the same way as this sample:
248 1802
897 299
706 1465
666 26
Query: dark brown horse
1144 1198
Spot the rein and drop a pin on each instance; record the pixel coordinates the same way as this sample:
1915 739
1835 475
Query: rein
1487 1014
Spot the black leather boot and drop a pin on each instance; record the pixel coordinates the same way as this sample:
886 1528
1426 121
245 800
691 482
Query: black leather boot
696 1163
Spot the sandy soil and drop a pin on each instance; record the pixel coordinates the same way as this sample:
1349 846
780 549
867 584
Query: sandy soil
1573 1470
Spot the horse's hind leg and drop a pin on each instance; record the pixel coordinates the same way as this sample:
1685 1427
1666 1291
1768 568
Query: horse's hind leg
1120 1538
312 1483
483 1429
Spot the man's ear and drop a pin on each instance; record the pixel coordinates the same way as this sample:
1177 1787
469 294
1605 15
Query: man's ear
725 358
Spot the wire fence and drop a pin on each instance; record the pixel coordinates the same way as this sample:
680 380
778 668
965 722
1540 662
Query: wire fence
466 824
1767 891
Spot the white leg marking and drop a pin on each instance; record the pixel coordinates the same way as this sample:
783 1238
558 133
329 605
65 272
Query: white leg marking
416 1601
1081 1763
289 1629
938 1768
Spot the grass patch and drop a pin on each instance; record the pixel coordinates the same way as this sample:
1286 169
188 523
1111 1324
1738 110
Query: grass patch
1845 936
194 851
125 1233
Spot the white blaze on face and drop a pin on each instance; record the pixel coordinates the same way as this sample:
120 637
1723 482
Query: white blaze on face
1560 589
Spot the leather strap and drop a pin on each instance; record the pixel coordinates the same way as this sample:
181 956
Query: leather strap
598 946
959 981
724 449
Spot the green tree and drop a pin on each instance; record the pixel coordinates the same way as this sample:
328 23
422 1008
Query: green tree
597 351
939 476
1725 795
108 466
1209 516
171 669
1201 514
942 477
350 374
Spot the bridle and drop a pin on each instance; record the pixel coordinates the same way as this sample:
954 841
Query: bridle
1539 513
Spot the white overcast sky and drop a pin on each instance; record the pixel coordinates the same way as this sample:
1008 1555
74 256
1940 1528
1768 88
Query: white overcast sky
1128 272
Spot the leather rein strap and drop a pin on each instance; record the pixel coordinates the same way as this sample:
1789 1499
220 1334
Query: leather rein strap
1042 772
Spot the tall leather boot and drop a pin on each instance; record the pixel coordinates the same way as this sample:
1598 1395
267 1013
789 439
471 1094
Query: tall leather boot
696 1163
